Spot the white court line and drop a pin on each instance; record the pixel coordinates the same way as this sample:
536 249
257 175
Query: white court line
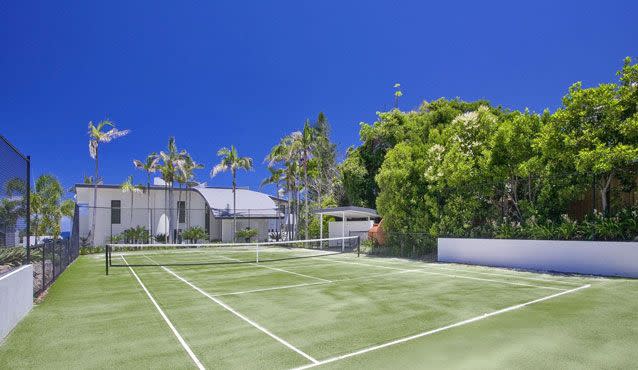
251 322
450 275
505 275
476 271
281 270
168 322
269 289
444 328
308 284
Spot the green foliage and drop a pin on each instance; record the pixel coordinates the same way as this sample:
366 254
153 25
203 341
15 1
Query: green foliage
194 234
458 168
133 235
161 238
12 256
247 234
622 226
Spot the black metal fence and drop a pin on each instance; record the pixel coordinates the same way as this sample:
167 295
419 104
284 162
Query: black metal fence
412 245
50 259
17 246
14 206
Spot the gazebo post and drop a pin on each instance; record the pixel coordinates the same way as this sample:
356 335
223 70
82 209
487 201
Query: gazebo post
343 231
321 231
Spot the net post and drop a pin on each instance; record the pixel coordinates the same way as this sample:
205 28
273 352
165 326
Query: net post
358 245
257 259
106 258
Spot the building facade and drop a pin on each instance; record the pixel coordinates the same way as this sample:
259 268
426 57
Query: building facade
166 212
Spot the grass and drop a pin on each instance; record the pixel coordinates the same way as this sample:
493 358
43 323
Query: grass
330 306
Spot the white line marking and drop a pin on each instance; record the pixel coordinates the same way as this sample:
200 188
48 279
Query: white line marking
281 270
251 322
447 327
269 289
505 275
308 284
168 322
451 275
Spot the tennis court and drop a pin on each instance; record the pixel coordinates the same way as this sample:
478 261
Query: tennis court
313 311
158 309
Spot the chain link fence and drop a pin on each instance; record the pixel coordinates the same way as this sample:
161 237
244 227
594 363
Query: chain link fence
98 226
14 207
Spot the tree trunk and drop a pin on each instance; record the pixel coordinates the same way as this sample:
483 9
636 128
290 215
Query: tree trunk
94 198
148 207
305 170
234 207
606 182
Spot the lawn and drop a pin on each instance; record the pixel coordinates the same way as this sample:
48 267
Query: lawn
333 311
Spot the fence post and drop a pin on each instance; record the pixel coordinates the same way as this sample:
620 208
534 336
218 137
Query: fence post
28 245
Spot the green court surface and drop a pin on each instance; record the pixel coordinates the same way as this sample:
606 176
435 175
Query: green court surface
335 311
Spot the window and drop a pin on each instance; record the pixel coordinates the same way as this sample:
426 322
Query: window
116 212
181 210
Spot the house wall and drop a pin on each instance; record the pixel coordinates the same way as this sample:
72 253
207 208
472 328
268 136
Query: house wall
260 224
159 220
583 257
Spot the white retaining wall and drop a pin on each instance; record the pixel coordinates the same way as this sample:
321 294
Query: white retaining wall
583 257
16 297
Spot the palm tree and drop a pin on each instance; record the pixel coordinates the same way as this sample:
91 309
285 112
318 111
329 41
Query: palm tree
171 160
276 175
49 205
233 162
286 155
397 95
128 187
185 167
97 136
150 165
306 144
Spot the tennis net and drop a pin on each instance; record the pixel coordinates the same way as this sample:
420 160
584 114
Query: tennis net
124 255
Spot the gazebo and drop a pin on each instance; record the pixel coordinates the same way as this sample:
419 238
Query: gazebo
346 213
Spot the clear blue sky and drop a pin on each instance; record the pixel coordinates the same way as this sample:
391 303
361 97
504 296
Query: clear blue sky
247 73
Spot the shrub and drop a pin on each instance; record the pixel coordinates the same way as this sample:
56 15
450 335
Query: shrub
13 256
161 238
194 234
247 234
137 234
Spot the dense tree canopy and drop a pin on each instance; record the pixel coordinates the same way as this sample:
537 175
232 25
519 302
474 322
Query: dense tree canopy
467 168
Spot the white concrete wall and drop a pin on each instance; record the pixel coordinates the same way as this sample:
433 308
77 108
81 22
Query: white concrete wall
356 227
16 298
583 257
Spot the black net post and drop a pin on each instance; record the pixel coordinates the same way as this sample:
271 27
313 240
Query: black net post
106 259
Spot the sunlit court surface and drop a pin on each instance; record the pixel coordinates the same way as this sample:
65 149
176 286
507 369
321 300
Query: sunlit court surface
332 310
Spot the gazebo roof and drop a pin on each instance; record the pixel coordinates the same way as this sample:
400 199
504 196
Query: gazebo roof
348 212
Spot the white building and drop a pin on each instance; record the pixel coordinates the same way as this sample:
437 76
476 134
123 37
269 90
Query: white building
167 211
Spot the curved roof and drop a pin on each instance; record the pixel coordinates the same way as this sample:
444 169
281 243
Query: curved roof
249 203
